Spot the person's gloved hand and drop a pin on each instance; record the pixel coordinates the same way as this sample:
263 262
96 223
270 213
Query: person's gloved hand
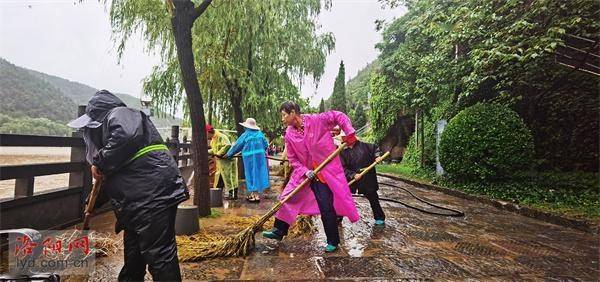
310 175
349 140
96 173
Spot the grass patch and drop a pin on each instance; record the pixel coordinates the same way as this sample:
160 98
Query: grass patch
214 213
572 194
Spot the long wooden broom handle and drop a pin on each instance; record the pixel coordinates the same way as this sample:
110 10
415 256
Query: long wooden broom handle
365 170
89 207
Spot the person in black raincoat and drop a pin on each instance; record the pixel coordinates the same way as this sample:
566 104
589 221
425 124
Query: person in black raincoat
354 158
142 181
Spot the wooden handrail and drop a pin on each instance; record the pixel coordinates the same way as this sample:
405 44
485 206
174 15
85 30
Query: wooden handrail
40 141
32 170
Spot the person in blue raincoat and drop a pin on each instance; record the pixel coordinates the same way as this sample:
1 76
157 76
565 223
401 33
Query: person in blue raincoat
253 145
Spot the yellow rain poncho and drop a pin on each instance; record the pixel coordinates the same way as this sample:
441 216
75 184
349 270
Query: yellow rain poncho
219 145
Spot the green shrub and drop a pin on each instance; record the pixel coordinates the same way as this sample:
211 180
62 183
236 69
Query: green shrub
486 142
412 155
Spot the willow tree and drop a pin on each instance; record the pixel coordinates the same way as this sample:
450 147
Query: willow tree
250 54
254 52
166 27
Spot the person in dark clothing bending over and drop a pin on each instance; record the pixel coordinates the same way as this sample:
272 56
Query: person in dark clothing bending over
142 181
354 158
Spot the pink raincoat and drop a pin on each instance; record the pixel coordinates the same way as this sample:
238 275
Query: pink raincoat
316 145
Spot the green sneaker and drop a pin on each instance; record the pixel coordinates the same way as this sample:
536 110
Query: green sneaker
330 248
379 222
272 235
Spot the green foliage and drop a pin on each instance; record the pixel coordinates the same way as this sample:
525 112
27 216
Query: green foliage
32 126
338 98
214 213
358 89
438 52
451 55
572 194
360 118
565 125
412 154
28 93
386 106
75 91
23 94
486 142
408 171
248 54
322 106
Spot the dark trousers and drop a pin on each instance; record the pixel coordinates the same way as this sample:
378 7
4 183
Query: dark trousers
375 206
153 244
324 198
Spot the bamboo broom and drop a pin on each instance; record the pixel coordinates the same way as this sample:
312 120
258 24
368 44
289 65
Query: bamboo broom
242 243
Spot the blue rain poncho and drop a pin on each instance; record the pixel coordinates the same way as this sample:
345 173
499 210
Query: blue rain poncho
253 145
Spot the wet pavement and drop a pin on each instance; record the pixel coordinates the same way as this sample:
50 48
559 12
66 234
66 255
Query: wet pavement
487 244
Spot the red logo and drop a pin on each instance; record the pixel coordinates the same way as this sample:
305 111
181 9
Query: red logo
26 247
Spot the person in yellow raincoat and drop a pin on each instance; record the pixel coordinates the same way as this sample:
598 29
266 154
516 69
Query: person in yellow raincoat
219 145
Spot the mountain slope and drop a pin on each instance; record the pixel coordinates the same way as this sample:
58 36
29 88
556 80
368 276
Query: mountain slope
25 95
29 93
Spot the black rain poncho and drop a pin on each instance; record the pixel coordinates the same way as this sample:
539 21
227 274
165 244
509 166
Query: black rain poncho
140 188
360 156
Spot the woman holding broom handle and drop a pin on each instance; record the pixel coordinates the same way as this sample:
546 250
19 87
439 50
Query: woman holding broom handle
354 159
308 142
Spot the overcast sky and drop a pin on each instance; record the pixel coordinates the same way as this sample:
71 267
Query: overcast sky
73 40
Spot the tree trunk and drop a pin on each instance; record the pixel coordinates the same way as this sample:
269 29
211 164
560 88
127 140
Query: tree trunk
236 102
235 95
210 106
417 137
182 21
422 132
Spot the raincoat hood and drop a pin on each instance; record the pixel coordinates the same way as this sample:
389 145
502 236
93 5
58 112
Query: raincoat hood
101 104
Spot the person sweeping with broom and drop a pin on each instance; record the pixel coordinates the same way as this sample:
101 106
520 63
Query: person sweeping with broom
253 145
227 169
142 181
356 157
308 142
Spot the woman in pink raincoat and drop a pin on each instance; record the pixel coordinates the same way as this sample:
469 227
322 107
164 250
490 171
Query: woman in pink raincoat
308 142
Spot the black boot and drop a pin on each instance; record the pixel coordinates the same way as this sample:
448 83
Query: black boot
229 195
232 194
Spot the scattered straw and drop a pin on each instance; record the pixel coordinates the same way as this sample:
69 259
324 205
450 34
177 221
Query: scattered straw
245 222
196 250
304 226
242 243
209 245
104 244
